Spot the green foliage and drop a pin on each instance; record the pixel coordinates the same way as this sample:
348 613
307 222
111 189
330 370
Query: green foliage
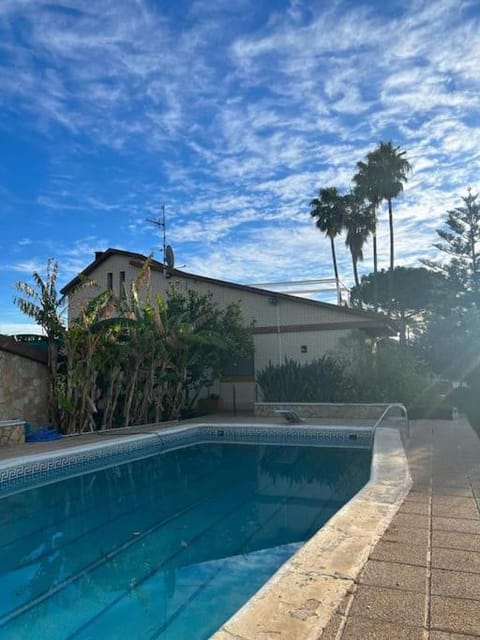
329 212
134 359
381 177
323 380
42 303
451 344
390 373
460 237
359 223
415 290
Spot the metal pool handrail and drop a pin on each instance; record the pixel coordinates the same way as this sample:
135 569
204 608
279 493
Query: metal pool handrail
392 405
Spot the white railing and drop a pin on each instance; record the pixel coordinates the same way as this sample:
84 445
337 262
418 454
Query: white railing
388 408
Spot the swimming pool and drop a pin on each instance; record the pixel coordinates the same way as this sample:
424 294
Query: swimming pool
168 546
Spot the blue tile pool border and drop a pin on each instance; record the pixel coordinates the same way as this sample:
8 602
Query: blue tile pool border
18 474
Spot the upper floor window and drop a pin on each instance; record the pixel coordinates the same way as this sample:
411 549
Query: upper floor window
110 280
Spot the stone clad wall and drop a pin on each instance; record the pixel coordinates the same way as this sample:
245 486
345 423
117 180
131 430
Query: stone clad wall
23 382
324 409
11 433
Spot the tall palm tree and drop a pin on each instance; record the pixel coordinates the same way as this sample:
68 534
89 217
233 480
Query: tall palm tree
359 224
329 211
382 177
364 187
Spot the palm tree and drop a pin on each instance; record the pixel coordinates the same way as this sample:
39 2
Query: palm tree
328 210
360 224
382 177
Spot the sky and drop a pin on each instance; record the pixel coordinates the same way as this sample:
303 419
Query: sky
232 114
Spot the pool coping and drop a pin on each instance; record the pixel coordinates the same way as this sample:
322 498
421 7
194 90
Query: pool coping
302 596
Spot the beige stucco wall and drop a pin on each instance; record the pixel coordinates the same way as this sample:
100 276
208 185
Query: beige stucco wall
275 348
23 389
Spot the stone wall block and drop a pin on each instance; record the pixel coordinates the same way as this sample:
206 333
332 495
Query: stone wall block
23 393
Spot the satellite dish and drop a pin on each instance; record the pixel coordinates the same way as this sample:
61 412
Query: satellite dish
169 257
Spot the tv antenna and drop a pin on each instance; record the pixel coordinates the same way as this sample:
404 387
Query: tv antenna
168 254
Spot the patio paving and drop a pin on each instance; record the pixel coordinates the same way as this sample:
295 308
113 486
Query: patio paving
422 580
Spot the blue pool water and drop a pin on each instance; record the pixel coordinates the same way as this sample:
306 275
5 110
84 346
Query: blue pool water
167 547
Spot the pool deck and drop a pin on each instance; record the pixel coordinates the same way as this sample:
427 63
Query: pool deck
422 579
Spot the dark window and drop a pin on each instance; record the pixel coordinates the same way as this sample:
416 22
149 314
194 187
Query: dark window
303 348
243 367
110 281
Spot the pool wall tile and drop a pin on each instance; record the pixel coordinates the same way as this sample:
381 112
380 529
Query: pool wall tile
29 471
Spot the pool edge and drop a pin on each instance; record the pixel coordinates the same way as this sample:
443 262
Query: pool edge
299 600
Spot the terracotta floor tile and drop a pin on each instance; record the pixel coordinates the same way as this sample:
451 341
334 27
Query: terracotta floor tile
456 540
456 524
467 510
367 629
415 507
410 520
406 535
456 560
331 630
456 615
390 605
418 496
412 553
394 576
461 492
453 501
442 635
455 584
455 482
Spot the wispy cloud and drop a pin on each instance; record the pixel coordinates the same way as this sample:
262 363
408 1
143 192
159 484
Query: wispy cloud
233 115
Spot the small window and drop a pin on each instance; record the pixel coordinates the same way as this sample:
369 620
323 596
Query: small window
110 281
303 348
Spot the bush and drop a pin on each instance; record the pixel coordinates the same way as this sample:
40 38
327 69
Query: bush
388 372
323 380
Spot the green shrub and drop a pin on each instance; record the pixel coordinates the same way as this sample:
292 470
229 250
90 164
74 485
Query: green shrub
358 373
323 380
389 372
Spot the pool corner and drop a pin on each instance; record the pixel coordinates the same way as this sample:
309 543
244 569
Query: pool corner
298 602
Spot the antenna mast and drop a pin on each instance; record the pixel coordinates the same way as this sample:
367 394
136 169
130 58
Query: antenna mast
168 253
164 227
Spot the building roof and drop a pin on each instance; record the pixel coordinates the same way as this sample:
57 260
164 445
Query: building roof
360 318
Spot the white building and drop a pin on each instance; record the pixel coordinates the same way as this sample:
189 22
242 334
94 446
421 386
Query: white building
283 326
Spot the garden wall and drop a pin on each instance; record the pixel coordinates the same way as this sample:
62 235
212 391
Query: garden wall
327 410
23 382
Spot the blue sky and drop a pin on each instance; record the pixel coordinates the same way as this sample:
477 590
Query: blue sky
232 114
